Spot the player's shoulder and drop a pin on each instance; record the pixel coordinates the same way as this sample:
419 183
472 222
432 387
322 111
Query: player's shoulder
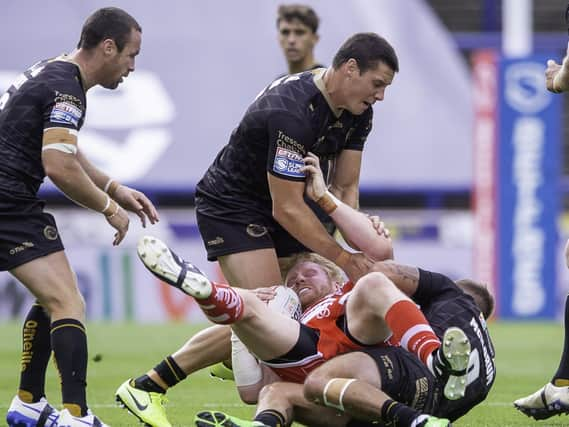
292 92
60 74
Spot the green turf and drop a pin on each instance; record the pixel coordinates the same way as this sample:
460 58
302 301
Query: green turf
527 355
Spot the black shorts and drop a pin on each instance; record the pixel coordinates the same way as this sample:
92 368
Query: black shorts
405 378
26 232
229 237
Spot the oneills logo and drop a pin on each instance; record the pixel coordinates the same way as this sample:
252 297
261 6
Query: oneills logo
29 333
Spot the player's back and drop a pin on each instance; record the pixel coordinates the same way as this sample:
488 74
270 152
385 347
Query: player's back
444 305
47 94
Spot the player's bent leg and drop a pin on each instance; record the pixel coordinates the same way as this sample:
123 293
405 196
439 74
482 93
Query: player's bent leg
450 362
220 419
545 402
161 261
21 414
148 407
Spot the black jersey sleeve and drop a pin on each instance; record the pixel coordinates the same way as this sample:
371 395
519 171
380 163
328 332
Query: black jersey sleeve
64 105
434 285
289 141
362 127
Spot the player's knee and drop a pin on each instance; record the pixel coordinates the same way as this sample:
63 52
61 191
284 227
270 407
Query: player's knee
374 284
314 385
270 392
68 303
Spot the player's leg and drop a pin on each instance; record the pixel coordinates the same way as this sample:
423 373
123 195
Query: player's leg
553 398
270 334
365 384
30 402
376 300
144 395
280 404
251 269
26 235
52 281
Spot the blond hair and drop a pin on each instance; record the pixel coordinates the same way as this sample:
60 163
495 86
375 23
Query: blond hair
334 273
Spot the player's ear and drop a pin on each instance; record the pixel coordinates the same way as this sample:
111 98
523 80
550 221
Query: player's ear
109 46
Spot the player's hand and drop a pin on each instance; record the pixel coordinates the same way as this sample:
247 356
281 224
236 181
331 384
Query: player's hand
265 294
379 226
557 76
357 265
135 201
315 184
119 221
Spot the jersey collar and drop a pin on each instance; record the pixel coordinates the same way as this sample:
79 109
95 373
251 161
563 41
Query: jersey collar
319 82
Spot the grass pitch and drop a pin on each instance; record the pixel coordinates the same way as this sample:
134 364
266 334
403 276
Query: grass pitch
527 357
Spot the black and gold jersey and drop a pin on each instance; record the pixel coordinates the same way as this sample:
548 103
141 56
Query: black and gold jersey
289 118
444 305
49 94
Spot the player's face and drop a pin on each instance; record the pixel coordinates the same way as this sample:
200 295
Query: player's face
120 64
296 40
363 90
310 282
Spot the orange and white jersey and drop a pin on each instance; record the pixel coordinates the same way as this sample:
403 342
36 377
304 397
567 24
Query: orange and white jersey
322 317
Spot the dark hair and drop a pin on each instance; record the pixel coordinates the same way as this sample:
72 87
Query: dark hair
107 23
305 14
482 296
368 49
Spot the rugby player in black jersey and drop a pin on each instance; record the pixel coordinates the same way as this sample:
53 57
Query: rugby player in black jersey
297 27
40 116
553 398
327 111
250 207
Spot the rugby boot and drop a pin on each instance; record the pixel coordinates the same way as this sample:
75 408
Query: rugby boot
544 403
148 407
172 269
38 414
450 362
219 419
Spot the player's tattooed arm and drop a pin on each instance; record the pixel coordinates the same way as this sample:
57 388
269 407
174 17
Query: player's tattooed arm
405 277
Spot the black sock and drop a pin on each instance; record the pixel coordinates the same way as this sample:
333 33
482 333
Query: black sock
561 377
170 372
144 382
36 351
69 343
398 414
271 418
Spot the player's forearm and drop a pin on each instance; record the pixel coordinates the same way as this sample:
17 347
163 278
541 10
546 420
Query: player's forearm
99 178
349 195
357 228
68 175
304 226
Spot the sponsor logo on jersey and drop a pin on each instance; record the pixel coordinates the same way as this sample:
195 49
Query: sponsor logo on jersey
65 97
288 163
65 112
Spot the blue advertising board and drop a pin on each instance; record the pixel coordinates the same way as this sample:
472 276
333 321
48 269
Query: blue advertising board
528 194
